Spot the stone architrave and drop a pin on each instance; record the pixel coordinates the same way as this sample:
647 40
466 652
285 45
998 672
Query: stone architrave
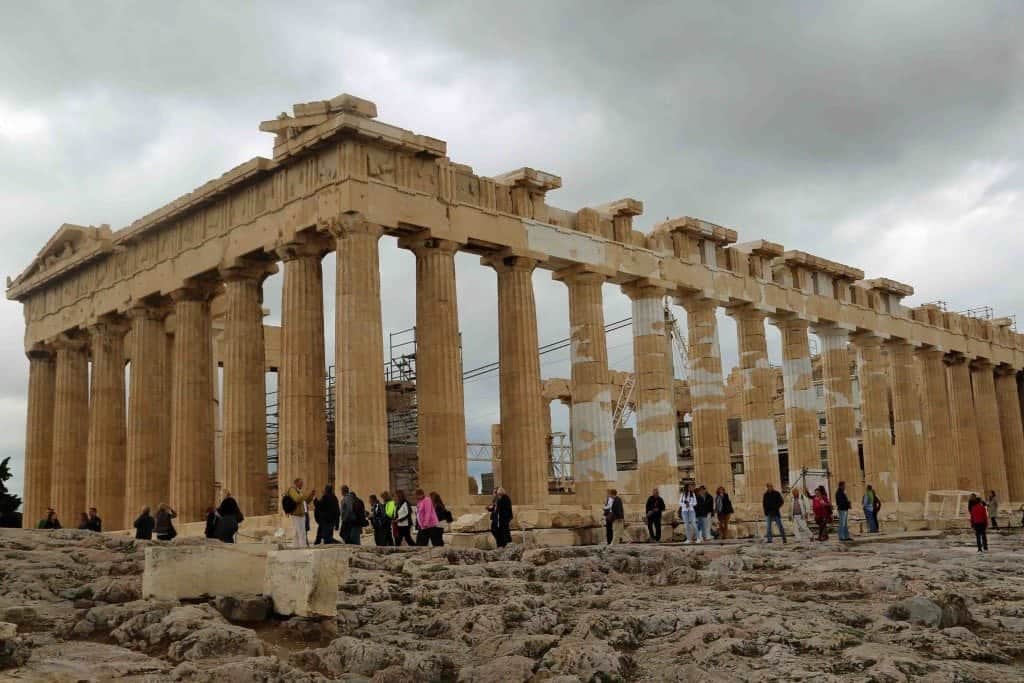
441 411
39 435
990 433
799 396
593 437
1012 431
524 459
711 463
361 423
911 468
302 382
840 420
192 415
876 433
942 474
244 405
760 445
966 451
106 464
70 428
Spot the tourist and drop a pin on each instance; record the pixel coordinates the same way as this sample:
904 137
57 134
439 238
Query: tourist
703 510
822 508
799 513
771 504
871 506
389 506
353 516
327 515
144 524
294 504
403 519
211 523
688 514
501 517
614 518
993 508
380 522
444 516
426 519
724 510
229 517
95 523
652 511
83 522
164 528
979 521
50 521
843 506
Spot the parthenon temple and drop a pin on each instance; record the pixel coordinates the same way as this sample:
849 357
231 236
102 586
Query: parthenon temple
177 295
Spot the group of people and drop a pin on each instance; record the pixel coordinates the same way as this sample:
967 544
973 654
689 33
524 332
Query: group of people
87 521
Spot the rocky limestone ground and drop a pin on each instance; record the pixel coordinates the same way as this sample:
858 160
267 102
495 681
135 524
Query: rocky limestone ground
922 610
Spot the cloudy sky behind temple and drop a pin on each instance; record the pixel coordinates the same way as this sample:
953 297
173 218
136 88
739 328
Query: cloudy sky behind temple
887 136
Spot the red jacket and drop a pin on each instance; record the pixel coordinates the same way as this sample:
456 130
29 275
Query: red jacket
979 515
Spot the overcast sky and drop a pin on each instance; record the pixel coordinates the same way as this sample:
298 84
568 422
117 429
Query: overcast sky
887 136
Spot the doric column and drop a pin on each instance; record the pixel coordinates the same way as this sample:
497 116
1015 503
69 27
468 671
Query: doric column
799 397
911 469
938 435
1012 431
244 406
966 449
192 424
876 434
440 407
147 469
990 433
39 429
301 377
524 458
707 391
105 470
361 423
70 428
760 446
840 421
593 438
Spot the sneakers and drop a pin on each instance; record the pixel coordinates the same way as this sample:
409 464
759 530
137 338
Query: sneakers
686 542
699 541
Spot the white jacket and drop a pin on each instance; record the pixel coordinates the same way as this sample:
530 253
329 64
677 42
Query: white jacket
687 502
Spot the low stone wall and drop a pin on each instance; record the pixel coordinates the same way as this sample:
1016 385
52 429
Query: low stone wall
190 572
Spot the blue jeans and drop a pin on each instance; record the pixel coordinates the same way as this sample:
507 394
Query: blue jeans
768 527
844 529
690 523
869 515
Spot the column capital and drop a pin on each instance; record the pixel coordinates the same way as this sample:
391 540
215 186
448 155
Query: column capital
929 352
39 351
73 340
697 302
305 244
981 365
422 242
954 358
506 261
831 330
867 339
150 310
347 224
1004 370
747 311
789 321
196 290
109 326
248 269
644 289
583 273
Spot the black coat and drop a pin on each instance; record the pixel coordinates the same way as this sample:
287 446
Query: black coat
617 511
842 500
655 506
772 502
327 510
705 505
723 505
144 527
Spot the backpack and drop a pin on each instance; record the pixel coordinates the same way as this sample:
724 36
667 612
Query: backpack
288 504
380 517
359 512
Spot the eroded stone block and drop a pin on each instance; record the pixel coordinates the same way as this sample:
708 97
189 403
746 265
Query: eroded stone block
304 582
195 571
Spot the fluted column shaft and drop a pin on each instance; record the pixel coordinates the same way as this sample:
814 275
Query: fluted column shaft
990 433
799 396
524 456
301 383
39 436
192 423
942 475
361 428
876 434
105 470
760 445
70 429
1012 431
441 412
911 468
966 448
707 391
244 405
841 422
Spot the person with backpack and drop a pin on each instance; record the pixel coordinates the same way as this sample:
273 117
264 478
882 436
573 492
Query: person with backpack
822 508
444 516
353 516
978 513
871 506
380 522
426 519
327 514
843 505
229 517
403 519
294 505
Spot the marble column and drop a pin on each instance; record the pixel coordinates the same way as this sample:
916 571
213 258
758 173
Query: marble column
192 423
593 435
966 447
524 458
244 406
1012 431
911 468
942 475
361 423
39 435
147 467
760 445
840 420
301 377
799 396
876 433
707 391
990 433
106 453
440 406
70 428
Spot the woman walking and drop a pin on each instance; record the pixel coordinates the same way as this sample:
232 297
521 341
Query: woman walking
403 519
979 521
426 519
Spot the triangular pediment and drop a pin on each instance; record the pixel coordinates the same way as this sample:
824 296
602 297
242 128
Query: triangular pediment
69 245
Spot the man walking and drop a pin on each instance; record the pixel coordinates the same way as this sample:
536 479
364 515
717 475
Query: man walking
654 509
843 507
772 504
294 505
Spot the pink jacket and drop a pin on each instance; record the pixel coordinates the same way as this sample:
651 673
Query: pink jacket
426 517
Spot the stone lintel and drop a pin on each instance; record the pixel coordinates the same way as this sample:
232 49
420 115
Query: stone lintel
694 297
621 207
862 336
821 265
737 308
825 328
566 274
699 228
884 284
759 248
538 181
